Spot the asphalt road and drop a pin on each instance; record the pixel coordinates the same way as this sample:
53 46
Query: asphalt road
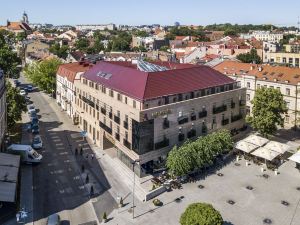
57 182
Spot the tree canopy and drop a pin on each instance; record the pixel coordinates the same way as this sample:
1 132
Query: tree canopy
249 57
82 44
194 155
60 51
9 60
185 31
16 104
43 74
267 112
201 214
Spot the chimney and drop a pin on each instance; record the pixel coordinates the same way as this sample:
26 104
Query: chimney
260 69
251 67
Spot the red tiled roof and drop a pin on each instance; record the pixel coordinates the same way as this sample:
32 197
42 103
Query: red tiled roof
147 85
70 70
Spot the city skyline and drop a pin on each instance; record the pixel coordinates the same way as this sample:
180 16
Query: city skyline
166 13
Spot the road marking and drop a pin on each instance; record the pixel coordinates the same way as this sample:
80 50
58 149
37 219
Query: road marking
66 161
76 178
63 153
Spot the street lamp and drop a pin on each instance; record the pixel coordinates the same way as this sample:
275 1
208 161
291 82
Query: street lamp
133 186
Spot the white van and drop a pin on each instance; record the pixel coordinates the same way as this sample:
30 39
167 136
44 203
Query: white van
27 153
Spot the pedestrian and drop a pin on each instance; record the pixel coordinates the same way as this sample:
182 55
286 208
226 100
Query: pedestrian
92 190
92 156
87 156
87 179
82 168
76 151
81 151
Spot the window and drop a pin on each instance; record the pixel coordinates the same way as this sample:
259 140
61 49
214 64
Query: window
119 97
134 104
278 88
287 104
287 91
103 89
258 86
287 119
248 84
247 97
126 135
111 93
125 100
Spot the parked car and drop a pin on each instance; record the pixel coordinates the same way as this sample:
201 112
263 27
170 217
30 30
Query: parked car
29 88
35 129
33 115
31 109
34 121
37 142
22 92
53 219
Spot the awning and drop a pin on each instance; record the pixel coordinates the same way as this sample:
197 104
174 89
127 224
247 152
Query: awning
245 146
295 157
256 140
277 147
9 169
265 153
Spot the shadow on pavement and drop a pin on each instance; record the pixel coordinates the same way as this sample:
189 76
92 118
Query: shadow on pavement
57 181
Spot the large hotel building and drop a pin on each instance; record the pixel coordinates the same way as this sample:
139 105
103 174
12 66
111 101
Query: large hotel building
144 109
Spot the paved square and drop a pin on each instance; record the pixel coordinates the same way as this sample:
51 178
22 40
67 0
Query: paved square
249 207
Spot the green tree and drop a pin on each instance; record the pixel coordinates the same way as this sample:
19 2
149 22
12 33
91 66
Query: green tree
60 51
164 48
249 57
82 44
21 36
199 153
16 104
230 32
43 74
201 214
268 110
9 60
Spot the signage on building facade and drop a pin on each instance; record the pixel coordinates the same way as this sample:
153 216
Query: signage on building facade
157 114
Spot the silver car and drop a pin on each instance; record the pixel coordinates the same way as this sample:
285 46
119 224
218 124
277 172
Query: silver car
53 219
37 142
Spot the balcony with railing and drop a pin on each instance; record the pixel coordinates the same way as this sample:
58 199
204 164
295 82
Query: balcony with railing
219 109
225 122
236 117
117 136
232 105
117 119
166 124
180 137
103 111
105 127
191 133
193 117
202 114
127 144
125 124
162 144
183 119
242 102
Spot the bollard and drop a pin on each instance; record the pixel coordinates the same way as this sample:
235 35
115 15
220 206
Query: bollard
82 168
81 151
76 151
92 190
87 179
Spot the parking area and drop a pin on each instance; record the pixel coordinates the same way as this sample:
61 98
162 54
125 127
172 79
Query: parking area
243 194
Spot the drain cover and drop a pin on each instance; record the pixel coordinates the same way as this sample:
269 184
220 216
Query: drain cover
237 164
220 174
231 202
285 203
267 221
249 187
200 186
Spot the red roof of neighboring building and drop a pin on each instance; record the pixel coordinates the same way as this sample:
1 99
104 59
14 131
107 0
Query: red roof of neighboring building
70 70
147 85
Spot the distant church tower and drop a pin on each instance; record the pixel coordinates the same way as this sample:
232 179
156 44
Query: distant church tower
25 18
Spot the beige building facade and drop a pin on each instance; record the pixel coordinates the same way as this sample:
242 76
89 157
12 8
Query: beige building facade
145 127
253 77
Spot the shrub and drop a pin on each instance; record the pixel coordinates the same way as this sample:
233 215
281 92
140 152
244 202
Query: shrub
201 214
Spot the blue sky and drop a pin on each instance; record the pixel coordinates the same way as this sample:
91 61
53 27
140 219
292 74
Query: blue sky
165 12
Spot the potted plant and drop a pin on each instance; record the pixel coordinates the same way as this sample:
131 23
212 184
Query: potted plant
104 217
157 202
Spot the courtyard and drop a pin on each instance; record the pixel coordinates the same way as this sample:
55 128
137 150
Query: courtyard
243 194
